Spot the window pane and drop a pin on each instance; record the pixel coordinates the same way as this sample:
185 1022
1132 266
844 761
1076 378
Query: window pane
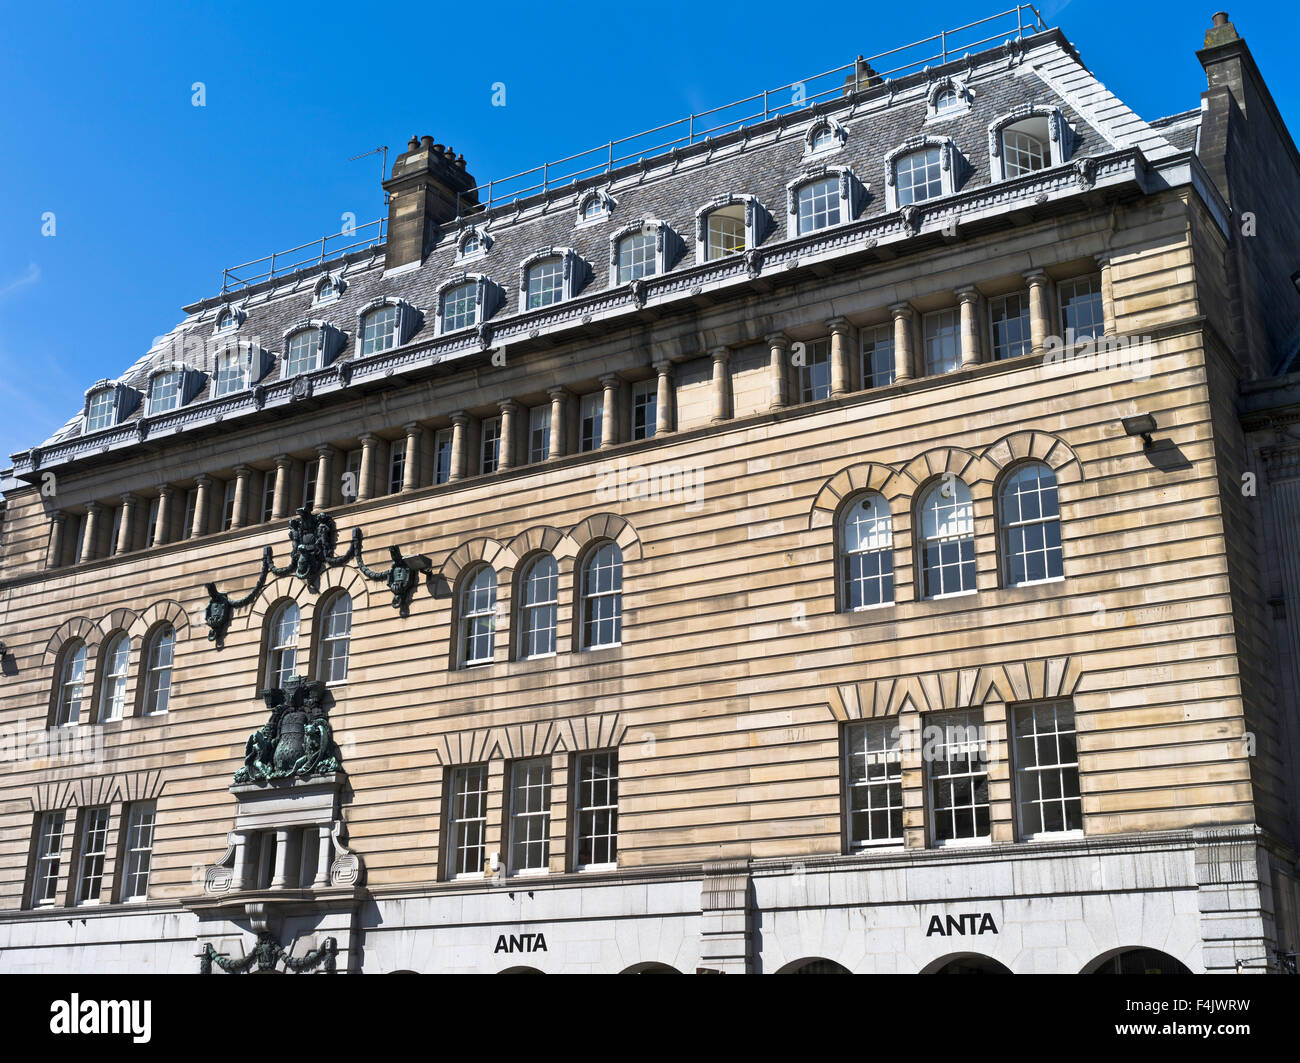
478 606
545 282
112 702
645 407
602 605
874 778
726 234
94 846
380 330
919 176
942 342
102 411
819 204
877 356
597 811
815 373
948 539
139 851
636 256
72 686
541 600
530 815
1031 527
868 558
230 373
336 639
459 306
959 798
1081 310
539 433
283 647
469 790
49 853
1022 153
1010 319
304 347
591 413
1047 769
165 392
490 456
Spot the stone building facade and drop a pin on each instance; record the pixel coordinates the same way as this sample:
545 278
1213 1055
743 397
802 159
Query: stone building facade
799 550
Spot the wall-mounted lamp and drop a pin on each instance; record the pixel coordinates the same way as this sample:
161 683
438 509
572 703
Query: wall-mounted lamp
1140 424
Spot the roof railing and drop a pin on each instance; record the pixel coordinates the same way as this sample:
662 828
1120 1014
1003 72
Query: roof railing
1013 24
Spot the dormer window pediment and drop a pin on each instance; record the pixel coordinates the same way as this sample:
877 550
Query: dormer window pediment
108 403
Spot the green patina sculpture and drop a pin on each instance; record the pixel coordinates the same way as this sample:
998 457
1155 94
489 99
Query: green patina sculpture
402 576
266 953
297 741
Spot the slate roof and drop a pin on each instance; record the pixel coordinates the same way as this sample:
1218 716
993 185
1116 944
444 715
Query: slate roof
1048 72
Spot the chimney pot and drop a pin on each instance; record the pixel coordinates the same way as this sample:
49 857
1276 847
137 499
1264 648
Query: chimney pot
412 144
1220 18
427 143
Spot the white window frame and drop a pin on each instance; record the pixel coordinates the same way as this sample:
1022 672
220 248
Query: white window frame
228 504
336 639
482 240
539 424
872 339
525 820
176 372
591 599
472 608
645 398
459 819
997 305
70 700
951 168
489 454
282 636
1063 768
878 528
607 205
960 90
574 272
756 221
936 327
585 805
966 532
870 744
1098 328
442 444
336 285
110 406
1008 527
47 865
838 137
665 248
485 300
1061 137
92 857
849 189
539 613
316 349
234 314
393 335
116 669
936 777
157 698
396 465
142 817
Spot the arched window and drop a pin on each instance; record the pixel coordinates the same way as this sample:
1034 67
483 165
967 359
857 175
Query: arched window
460 306
304 352
114 658
818 204
636 256
1024 147
379 330
1031 526
72 685
469 245
867 538
225 321
726 231
326 290
919 176
478 608
822 137
947 539
602 597
541 595
282 645
545 282
336 638
946 100
158 670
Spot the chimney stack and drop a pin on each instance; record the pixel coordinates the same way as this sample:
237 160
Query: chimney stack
863 77
429 187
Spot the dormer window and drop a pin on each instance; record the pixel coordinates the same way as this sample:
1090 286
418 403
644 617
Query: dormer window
594 207
921 169
102 410
1031 137
460 307
822 137
165 391
819 204
729 225
474 242
328 289
232 372
918 176
470 245
946 100
726 232
379 330
636 256
545 282
225 321
303 352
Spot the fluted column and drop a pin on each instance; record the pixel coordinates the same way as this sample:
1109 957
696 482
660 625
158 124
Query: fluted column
324 851
459 419
559 401
969 298
126 530
283 475
721 383
1107 292
778 378
324 487
664 398
506 457
163 519
280 875
840 365
609 412
903 331
240 517
58 528
203 489
411 466
366 477
1039 315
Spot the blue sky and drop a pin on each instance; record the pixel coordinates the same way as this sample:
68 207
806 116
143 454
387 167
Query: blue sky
153 196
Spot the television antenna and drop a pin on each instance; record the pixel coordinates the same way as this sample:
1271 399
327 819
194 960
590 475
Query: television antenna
383 163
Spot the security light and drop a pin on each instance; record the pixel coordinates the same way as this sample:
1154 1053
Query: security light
1140 424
